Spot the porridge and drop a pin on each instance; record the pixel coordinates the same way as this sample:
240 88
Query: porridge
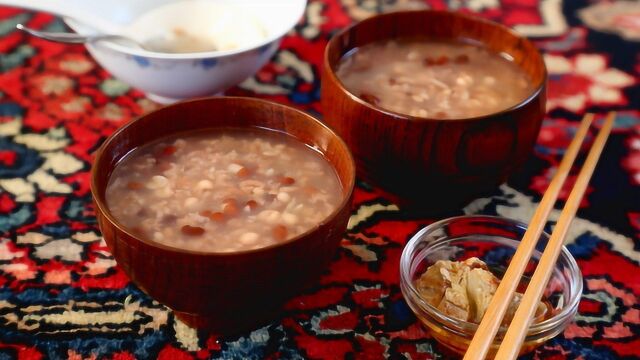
435 79
197 26
223 190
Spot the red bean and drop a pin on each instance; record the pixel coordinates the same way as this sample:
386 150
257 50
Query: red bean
217 216
192 230
213 216
230 207
169 150
286 180
441 60
280 232
243 172
252 204
134 185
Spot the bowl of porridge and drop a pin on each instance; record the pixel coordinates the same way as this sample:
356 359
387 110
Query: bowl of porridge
192 48
434 105
223 208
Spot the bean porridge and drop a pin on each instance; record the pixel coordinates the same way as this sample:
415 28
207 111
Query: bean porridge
223 190
435 79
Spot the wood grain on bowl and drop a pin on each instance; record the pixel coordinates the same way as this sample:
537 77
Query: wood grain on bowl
223 292
445 161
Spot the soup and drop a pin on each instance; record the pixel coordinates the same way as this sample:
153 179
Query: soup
433 79
223 190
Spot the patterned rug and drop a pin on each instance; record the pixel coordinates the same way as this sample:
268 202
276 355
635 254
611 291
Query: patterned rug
62 296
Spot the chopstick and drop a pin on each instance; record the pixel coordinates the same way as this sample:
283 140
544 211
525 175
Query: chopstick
488 327
523 317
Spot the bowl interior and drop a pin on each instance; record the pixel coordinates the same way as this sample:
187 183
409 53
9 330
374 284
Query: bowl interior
221 112
278 17
494 241
440 25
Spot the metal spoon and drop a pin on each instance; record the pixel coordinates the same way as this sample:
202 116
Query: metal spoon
72 38
79 10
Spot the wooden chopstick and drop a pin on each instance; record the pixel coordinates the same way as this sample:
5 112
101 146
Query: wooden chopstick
523 317
488 327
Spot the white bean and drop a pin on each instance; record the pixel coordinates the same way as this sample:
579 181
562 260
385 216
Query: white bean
249 238
283 197
165 192
190 202
157 181
234 168
289 218
204 185
269 216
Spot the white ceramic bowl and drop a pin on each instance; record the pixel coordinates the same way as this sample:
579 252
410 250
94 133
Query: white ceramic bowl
170 77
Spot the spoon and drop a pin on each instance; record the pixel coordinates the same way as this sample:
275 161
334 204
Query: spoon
72 38
73 9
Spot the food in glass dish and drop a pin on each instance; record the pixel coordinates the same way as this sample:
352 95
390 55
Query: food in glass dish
463 290
434 78
223 190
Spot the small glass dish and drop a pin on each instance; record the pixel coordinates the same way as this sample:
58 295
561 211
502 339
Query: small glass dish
492 240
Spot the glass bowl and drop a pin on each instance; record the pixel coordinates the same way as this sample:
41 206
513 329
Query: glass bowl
493 240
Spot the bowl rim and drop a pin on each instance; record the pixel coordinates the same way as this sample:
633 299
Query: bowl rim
407 283
103 209
400 116
273 37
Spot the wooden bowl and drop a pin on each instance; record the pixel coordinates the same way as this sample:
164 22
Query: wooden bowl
446 162
223 292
